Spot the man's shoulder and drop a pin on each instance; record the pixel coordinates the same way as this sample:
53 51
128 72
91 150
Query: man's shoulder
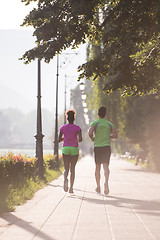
110 124
94 122
105 122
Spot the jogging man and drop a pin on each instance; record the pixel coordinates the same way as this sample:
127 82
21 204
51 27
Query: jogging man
100 133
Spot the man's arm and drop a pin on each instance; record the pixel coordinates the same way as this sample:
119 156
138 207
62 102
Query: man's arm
91 132
114 133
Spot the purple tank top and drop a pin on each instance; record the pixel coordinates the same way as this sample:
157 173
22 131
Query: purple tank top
70 132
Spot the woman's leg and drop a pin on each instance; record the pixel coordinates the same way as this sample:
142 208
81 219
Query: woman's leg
66 160
72 169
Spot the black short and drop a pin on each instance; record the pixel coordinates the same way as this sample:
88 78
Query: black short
102 154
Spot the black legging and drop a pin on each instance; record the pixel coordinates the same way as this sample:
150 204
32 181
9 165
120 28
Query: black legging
70 163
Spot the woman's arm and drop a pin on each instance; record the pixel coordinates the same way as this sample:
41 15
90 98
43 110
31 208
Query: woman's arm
60 138
80 136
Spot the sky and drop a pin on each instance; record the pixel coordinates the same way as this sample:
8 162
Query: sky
18 82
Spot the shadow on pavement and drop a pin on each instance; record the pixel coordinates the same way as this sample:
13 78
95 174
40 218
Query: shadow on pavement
53 185
145 207
75 189
145 170
13 220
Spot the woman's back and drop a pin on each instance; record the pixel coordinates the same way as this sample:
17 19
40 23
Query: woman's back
70 132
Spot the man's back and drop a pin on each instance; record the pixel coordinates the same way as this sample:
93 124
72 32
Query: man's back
102 128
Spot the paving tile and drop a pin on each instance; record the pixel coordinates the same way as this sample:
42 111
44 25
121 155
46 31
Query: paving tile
131 211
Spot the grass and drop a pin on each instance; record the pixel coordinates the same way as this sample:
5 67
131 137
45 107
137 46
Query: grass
17 193
140 163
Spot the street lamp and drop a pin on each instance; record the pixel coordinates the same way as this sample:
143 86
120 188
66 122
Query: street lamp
84 104
56 118
83 96
81 86
85 110
86 118
67 84
39 136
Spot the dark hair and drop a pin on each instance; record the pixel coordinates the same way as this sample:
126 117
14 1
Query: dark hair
70 115
102 112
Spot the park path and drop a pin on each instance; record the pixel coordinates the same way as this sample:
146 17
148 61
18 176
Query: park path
130 212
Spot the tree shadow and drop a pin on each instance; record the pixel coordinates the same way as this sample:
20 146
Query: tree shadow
142 169
13 220
75 189
54 185
145 207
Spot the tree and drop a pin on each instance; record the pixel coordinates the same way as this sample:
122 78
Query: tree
129 34
130 42
59 25
135 117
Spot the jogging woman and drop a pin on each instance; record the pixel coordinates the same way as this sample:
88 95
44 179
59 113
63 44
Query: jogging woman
70 134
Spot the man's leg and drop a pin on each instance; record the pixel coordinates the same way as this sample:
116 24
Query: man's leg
106 171
106 175
98 176
107 154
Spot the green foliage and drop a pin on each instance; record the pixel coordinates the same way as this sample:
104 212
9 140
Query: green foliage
50 161
127 33
129 30
59 25
135 117
142 127
12 167
19 180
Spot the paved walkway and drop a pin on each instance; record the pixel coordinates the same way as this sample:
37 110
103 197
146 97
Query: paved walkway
130 212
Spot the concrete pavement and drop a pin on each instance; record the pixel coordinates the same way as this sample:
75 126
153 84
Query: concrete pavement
131 211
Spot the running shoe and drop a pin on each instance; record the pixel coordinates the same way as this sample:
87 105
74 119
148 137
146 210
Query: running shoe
106 188
98 189
65 186
71 190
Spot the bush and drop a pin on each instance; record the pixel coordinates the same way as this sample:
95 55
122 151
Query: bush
19 180
12 168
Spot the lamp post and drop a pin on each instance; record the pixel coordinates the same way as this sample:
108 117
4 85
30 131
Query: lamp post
56 118
65 98
39 136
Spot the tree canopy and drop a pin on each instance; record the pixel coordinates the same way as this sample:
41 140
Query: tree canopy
128 33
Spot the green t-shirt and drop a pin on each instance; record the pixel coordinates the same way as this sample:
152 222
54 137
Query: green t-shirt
102 132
